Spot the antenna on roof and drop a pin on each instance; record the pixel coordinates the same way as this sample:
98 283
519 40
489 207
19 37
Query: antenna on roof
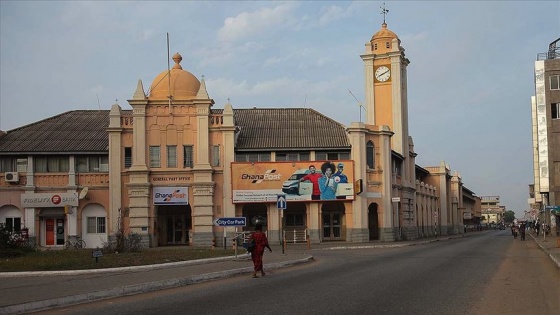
359 104
98 104
168 74
305 102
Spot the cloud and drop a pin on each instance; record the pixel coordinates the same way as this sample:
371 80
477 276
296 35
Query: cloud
320 95
259 22
334 13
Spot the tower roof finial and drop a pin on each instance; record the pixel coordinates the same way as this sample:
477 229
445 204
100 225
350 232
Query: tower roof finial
384 11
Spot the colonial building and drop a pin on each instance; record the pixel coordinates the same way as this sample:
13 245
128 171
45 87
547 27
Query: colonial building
171 165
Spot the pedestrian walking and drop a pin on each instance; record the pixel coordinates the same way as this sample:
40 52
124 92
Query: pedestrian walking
522 231
514 231
261 242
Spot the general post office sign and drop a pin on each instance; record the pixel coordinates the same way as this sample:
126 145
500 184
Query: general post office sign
49 200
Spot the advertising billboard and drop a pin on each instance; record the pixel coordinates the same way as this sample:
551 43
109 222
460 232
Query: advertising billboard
300 181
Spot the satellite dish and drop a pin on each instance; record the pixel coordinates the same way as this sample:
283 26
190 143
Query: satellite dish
83 193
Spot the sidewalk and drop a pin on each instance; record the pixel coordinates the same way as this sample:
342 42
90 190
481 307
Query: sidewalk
32 291
550 245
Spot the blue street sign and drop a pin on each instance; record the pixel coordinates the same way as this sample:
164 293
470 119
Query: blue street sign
240 221
281 202
552 208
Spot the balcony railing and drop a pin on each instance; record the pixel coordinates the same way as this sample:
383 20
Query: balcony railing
92 179
50 179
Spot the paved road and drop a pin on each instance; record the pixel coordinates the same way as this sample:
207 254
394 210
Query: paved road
475 275
27 292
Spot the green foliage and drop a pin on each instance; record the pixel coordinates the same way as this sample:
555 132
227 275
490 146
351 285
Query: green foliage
12 244
124 243
509 216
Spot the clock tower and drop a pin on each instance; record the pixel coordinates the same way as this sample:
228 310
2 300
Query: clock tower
385 79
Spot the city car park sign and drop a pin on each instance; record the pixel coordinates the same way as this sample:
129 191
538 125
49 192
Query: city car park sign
239 221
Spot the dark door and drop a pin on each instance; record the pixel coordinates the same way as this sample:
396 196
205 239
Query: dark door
373 222
332 226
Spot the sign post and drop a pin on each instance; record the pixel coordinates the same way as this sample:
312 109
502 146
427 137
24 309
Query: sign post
282 205
225 237
225 222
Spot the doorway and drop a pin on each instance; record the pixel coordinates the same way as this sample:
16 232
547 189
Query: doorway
332 226
177 230
54 232
373 222
49 232
174 225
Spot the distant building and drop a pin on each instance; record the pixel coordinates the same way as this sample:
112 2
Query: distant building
545 105
492 211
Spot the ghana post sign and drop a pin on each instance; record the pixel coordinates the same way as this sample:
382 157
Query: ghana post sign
300 181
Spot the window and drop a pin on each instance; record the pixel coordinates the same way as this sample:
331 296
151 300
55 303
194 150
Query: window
215 155
13 224
155 159
188 156
375 46
296 219
292 156
397 167
21 165
13 164
555 110
51 164
95 225
92 163
555 82
332 156
387 45
171 156
127 157
370 154
252 157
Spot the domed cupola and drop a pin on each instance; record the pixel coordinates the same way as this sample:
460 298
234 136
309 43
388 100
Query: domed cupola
382 40
180 84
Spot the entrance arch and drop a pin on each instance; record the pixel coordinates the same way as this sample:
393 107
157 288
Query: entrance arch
12 217
373 222
254 210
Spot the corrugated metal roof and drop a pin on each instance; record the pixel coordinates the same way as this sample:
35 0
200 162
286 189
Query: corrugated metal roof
287 128
260 129
73 131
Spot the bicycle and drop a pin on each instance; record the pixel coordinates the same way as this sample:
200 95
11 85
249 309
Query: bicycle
75 242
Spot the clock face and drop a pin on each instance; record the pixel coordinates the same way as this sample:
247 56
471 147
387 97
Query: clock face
382 74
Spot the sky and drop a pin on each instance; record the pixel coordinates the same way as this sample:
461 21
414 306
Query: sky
470 78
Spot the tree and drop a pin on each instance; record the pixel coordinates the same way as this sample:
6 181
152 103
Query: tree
509 216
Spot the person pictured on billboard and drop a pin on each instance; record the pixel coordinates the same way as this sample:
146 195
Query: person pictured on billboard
327 183
313 177
339 176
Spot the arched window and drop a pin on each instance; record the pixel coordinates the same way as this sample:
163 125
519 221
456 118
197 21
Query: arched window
370 155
